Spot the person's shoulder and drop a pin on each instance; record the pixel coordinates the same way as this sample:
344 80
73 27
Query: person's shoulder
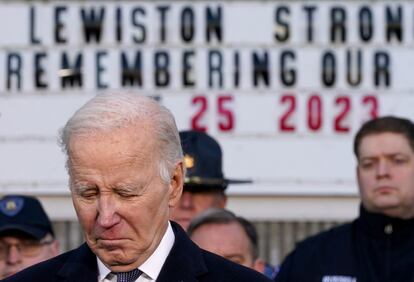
226 271
312 253
326 238
322 245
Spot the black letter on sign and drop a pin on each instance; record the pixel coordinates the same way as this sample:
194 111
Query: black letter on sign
365 24
382 69
92 23
282 31
118 25
162 63
59 26
39 70
309 13
260 68
135 22
100 69
215 65
188 73
187 24
14 69
163 15
287 75
32 26
328 69
71 75
352 78
394 24
131 75
214 24
236 68
338 19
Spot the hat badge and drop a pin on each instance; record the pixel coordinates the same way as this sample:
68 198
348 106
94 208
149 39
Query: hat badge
188 161
11 206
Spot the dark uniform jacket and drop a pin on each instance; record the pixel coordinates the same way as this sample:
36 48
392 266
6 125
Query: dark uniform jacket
185 263
373 248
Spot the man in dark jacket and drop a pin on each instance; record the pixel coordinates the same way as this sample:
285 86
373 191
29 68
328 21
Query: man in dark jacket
379 245
126 171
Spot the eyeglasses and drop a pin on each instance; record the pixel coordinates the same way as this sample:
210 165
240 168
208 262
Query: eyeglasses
26 248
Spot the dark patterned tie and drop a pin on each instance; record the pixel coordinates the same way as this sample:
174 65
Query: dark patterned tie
129 276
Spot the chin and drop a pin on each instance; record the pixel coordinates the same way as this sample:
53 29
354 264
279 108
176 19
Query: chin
114 258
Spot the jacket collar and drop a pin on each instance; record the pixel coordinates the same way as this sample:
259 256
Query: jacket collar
185 261
81 266
380 225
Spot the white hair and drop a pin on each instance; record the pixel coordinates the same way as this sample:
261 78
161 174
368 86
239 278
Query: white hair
105 112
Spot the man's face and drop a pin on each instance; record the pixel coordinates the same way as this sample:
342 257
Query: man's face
228 240
119 197
18 252
386 174
192 204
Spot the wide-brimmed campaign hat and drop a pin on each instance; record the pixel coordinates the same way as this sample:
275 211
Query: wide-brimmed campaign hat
203 161
24 214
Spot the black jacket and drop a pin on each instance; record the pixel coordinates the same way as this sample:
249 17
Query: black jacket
185 263
373 248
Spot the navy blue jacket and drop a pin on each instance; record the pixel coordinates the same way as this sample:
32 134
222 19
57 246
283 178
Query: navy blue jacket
185 263
373 248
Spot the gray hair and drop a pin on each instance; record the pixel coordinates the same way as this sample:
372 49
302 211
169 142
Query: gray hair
106 112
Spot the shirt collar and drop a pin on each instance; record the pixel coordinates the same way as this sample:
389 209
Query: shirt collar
103 270
152 266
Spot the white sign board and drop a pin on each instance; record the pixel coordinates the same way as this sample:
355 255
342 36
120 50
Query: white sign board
283 86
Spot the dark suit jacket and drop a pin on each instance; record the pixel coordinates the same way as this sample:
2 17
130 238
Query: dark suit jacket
185 263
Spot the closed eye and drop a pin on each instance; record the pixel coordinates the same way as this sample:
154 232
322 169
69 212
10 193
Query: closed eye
366 164
86 192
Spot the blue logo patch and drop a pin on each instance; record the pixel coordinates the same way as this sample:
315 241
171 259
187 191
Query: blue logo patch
11 206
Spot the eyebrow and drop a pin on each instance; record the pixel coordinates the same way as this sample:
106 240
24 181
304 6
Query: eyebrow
390 155
80 186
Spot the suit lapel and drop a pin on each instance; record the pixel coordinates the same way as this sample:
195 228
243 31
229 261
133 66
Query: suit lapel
81 266
185 261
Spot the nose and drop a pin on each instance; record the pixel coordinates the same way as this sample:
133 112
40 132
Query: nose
13 255
186 201
383 169
107 212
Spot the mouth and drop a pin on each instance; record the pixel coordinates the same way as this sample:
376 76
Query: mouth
110 245
385 189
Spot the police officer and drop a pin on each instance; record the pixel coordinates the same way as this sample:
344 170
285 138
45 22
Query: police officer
26 234
378 245
205 184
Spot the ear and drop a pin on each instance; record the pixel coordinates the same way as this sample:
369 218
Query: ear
222 202
55 248
259 265
176 184
357 173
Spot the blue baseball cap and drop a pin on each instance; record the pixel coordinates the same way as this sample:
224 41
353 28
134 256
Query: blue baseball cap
24 214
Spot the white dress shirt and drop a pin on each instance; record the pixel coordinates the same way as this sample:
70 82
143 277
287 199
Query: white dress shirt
151 267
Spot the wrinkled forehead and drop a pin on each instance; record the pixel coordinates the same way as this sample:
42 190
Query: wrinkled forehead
115 146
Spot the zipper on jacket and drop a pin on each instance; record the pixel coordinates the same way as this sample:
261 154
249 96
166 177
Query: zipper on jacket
388 230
